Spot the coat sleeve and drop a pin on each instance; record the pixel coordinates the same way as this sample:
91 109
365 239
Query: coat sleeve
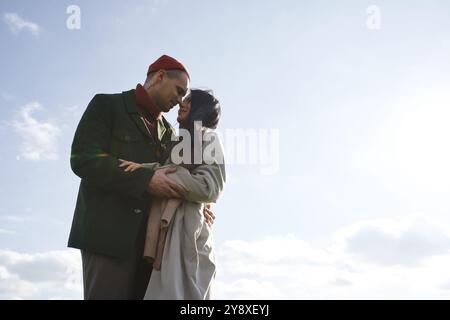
90 158
205 183
151 165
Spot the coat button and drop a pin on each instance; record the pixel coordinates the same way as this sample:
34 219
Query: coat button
137 210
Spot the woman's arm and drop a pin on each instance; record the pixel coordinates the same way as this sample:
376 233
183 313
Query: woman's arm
130 166
205 182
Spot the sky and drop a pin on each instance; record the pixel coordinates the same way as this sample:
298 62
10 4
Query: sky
339 185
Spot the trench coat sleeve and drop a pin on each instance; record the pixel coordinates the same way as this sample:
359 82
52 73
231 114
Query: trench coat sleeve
205 182
90 158
152 165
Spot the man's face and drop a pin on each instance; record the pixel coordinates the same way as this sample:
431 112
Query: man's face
171 91
183 112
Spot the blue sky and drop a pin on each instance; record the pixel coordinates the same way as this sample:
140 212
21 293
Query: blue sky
362 187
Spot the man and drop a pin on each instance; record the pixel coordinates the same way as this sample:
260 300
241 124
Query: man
111 213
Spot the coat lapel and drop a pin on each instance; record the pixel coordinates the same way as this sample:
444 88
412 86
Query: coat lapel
132 108
160 129
162 125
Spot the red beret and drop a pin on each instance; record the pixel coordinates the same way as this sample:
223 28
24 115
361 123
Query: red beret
166 63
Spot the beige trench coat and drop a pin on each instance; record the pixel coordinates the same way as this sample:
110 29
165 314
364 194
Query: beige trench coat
179 242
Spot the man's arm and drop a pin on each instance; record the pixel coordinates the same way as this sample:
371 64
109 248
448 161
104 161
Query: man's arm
90 158
163 187
130 166
160 185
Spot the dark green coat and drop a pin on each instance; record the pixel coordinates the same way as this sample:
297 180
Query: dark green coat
112 205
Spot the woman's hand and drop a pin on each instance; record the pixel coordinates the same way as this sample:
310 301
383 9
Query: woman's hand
209 215
129 165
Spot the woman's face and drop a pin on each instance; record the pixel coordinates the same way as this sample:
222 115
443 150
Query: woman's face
183 112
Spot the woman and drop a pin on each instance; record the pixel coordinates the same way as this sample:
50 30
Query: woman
179 241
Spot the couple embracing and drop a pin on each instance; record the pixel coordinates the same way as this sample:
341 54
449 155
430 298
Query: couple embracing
143 219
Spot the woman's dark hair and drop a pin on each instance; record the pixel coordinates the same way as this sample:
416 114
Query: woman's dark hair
205 108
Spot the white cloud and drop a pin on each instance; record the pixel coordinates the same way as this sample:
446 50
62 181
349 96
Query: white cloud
6 231
54 274
39 138
17 24
405 242
404 259
282 267
245 289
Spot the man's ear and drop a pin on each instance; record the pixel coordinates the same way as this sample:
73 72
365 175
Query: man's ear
160 74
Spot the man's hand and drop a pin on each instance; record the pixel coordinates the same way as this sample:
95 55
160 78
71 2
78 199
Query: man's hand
209 215
161 186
